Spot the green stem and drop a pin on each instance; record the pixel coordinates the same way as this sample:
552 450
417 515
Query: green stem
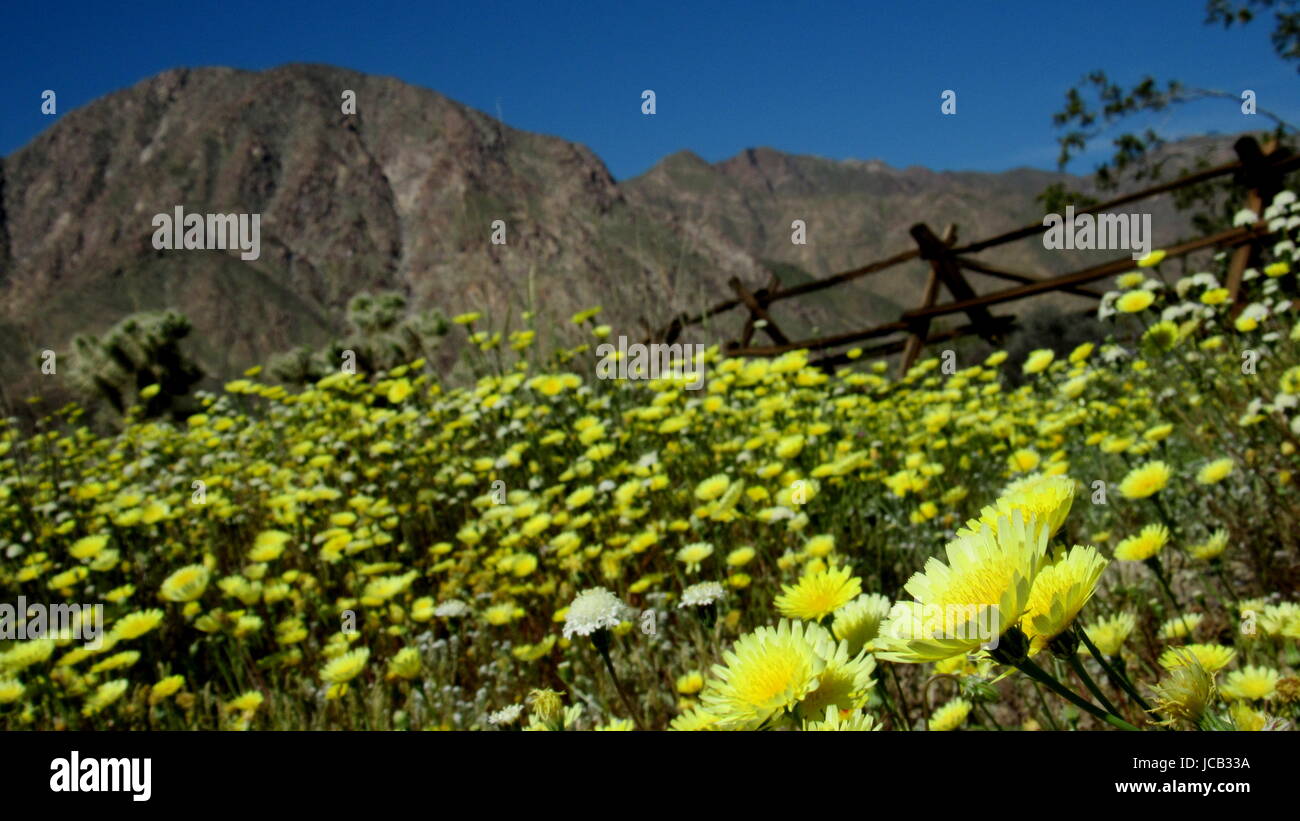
1047 710
988 715
603 647
1040 675
1079 670
888 701
902 699
1165 517
1114 675
1158 568
1223 581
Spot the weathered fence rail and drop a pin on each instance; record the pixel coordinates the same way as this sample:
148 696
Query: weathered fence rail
1260 171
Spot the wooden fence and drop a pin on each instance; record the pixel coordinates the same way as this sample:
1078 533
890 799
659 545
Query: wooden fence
1259 171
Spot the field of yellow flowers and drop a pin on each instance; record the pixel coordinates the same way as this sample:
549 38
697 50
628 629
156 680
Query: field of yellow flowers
1112 544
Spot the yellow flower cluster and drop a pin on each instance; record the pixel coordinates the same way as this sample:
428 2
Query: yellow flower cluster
391 551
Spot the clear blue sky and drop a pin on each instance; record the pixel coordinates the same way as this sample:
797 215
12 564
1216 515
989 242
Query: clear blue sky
855 79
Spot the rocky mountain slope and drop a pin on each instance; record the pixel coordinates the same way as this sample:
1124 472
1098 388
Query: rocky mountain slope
402 196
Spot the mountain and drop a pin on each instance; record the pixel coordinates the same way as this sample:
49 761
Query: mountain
857 211
402 196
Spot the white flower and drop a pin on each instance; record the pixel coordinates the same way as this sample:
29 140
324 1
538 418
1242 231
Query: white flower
1284 198
776 514
1285 402
451 609
1113 353
1107 307
1203 280
506 715
594 609
1244 217
699 595
1174 312
1255 311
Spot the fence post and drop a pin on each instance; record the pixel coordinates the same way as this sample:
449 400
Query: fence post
936 251
757 310
1263 181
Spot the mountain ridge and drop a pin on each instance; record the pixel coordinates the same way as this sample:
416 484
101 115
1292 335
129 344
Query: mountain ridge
403 195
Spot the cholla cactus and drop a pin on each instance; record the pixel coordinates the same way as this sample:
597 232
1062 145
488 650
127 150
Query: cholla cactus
381 336
139 363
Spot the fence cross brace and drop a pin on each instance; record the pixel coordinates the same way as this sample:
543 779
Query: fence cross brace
758 311
943 268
